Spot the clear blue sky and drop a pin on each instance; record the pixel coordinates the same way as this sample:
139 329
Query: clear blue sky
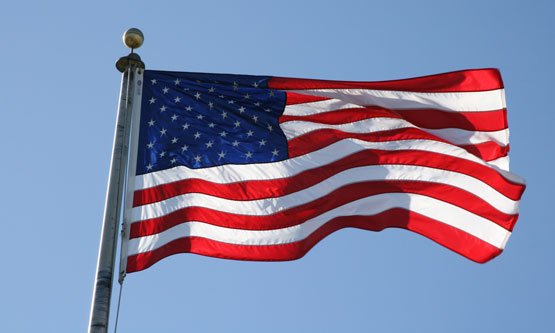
59 95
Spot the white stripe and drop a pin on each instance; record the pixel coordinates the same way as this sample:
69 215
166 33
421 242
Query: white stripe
501 163
230 173
429 207
464 137
333 104
296 128
312 108
263 207
448 101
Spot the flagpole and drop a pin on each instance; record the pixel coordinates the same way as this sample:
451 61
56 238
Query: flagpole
129 66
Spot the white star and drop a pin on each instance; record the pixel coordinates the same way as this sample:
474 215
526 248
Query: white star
197 95
184 148
267 110
255 118
166 89
188 108
197 135
235 85
241 109
150 145
237 123
272 93
200 117
230 102
221 96
153 81
162 154
151 123
255 85
249 133
210 104
163 108
270 128
223 134
197 158
149 167
262 142
209 144
275 152
173 160
177 99
152 100
163 132
257 104
174 140
174 117
211 89
177 81
248 154
224 114
235 143
185 126
211 125
247 96
221 154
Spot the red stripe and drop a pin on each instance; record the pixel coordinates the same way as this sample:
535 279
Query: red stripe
460 81
343 116
260 189
487 151
294 98
321 138
471 121
337 198
424 118
318 139
452 238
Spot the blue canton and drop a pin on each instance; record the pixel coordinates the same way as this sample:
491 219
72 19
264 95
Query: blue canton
205 120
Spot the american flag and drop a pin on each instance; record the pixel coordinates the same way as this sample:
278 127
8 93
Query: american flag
262 168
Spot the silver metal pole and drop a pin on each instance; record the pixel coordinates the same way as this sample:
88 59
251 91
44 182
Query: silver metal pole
100 308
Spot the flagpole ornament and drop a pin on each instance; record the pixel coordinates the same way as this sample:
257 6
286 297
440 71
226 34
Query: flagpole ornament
133 38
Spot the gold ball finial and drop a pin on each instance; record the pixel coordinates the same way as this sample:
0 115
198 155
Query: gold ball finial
133 38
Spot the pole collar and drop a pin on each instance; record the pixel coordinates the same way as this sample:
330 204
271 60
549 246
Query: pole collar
130 60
